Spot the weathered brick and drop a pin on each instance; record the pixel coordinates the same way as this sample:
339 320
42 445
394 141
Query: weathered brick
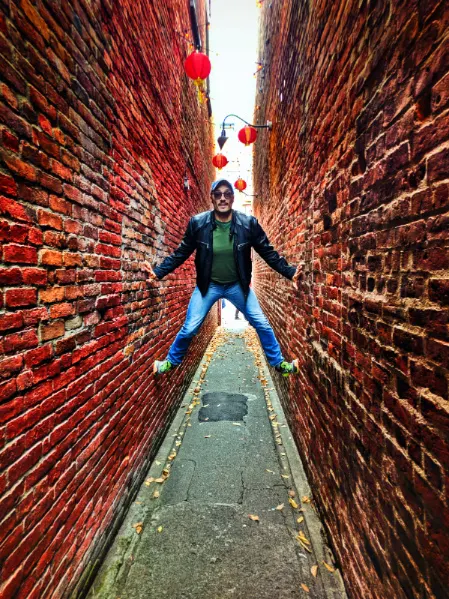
22 297
52 331
35 357
51 258
11 276
47 219
10 365
20 253
8 186
60 205
61 310
52 294
16 342
34 276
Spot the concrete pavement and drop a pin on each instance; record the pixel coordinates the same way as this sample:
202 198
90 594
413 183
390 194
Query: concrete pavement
225 511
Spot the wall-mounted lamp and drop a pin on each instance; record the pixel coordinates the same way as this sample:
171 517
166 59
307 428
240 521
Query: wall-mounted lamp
223 137
186 183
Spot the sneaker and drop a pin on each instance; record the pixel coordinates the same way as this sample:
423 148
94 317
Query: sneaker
288 368
162 367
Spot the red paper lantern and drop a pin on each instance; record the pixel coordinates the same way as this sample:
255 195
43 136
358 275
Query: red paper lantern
247 135
219 161
240 184
197 66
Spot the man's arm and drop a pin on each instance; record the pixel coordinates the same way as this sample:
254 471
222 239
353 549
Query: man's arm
180 255
269 254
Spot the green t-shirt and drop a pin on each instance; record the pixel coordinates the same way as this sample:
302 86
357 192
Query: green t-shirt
223 263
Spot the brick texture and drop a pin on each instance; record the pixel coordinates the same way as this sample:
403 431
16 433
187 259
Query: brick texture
354 180
98 124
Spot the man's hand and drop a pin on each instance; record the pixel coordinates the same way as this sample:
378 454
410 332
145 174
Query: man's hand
298 273
151 274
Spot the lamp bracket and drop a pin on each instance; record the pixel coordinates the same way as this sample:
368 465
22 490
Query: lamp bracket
268 126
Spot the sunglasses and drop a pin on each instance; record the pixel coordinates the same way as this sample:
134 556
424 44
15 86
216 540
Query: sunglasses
227 194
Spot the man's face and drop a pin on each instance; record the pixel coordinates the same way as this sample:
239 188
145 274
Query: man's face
222 199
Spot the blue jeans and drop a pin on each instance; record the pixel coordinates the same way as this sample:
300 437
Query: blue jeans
199 307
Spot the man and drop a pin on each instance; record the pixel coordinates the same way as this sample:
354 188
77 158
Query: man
223 239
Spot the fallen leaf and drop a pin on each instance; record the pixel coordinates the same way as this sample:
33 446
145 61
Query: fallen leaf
156 494
160 480
237 424
305 499
253 517
270 471
304 546
293 503
207 436
137 524
330 568
314 570
291 493
301 537
159 529
305 587
280 506
285 476
300 519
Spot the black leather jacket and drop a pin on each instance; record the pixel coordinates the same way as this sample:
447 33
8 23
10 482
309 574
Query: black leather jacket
247 233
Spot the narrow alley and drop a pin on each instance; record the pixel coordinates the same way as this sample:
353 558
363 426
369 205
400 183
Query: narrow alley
225 510
224 299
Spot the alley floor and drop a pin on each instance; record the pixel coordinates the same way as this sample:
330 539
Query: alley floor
225 511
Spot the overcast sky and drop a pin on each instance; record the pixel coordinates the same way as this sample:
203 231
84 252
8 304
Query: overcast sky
233 54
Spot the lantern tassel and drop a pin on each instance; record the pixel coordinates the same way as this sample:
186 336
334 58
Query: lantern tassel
200 88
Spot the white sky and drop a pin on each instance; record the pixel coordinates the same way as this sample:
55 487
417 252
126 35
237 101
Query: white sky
233 37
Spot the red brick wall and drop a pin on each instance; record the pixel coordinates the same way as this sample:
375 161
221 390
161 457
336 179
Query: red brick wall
97 124
354 180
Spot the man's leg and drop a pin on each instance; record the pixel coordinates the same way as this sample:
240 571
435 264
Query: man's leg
253 313
197 311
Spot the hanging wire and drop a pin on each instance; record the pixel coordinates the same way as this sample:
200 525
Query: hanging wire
186 37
